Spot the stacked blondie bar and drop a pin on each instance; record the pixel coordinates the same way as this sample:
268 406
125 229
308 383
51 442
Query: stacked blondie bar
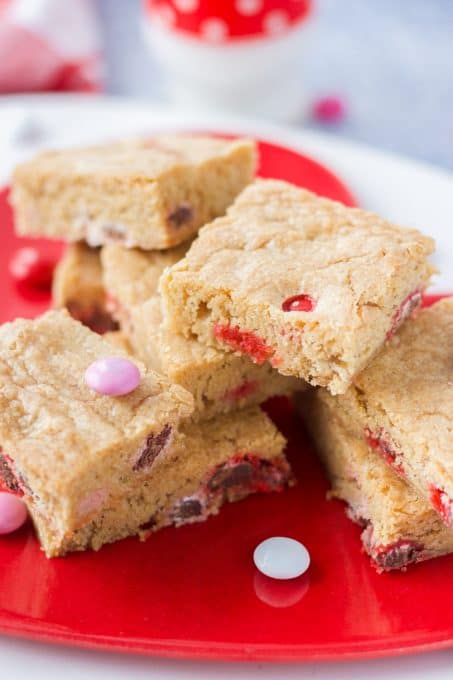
279 292
387 442
94 468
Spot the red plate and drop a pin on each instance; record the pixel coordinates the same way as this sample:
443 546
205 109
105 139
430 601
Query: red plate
193 592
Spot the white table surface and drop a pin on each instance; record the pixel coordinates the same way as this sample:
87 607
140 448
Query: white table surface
408 192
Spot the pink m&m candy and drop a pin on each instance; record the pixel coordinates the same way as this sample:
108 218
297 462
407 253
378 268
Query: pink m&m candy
13 512
329 109
114 376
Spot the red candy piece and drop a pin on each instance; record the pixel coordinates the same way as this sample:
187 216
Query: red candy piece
404 311
249 472
372 440
31 269
299 303
442 503
397 555
381 443
242 391
8 479
244 341
329 110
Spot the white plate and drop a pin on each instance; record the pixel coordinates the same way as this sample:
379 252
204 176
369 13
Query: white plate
410 193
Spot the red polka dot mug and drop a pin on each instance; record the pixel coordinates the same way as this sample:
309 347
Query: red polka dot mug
239 56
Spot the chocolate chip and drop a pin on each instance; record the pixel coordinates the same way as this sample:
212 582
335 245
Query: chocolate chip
7 475
180 216
398 556
101 322
150 524
228 476
154 444
187 508
95 318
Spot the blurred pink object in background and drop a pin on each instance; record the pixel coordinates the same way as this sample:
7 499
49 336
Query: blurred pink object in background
240 56
49 45
329 109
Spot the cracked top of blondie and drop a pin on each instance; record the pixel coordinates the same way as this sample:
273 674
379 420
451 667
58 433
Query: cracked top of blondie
49 418
409 386
277 240
136 159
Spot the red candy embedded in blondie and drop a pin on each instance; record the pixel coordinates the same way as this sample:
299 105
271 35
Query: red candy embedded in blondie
397 555
442 503
372 440
241 475
242 391
406 308
299 303
380 441
11 478
245 342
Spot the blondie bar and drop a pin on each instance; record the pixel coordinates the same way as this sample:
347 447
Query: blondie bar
78 286
402 405
74 453
151 193
399 526
303 282
219 381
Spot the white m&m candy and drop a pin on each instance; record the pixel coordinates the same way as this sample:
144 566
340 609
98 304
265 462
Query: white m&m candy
282 558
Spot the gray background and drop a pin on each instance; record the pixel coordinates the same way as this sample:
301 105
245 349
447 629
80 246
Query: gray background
390 60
